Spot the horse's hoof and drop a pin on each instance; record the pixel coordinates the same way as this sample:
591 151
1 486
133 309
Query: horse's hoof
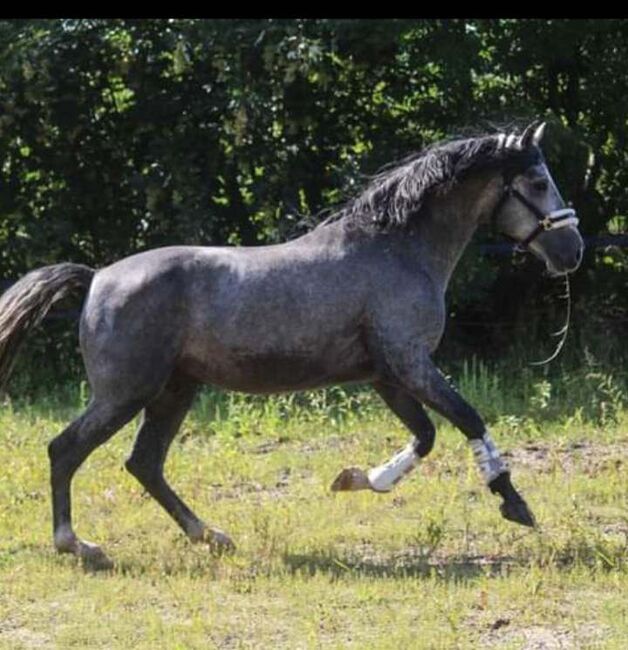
351 479
218 541
517 511
92 557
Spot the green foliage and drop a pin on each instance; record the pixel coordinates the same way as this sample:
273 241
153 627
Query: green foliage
122 135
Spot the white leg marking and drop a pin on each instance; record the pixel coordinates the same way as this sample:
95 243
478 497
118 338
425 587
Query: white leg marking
90 554
384 477
65 539
488 457
217 539
195 531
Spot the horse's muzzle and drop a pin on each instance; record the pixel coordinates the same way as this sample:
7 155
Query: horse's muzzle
565 262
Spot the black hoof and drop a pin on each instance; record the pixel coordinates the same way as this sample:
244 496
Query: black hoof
517 511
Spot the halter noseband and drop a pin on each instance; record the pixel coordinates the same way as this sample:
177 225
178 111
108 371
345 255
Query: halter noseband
550 221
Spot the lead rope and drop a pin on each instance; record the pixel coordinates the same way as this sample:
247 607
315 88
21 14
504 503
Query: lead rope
562 332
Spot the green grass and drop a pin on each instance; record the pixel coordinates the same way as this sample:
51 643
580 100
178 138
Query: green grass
431 565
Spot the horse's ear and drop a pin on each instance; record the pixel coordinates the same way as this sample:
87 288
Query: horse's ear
528 136
539 133
511 141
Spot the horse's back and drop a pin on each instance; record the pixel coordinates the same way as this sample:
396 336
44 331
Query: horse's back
277 318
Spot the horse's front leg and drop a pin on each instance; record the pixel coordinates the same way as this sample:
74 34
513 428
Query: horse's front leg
423 379
414 370
384 477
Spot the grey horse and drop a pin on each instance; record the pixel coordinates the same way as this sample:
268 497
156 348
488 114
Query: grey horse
360 298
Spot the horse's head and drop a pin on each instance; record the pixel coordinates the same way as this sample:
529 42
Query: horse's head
531 210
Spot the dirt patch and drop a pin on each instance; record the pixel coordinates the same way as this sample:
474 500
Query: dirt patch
540 637
269 446
619 528
249 488
284 480
590 458
22 637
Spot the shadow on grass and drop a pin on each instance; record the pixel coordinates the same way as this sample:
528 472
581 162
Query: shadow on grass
407 565
335 566
581 549
331 565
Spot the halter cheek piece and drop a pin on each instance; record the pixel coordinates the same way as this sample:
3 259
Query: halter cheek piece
550 221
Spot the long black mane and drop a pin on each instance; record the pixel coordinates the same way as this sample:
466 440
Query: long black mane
396 195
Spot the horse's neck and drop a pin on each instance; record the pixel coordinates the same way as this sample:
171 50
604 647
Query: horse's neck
446 229
438 239
441 239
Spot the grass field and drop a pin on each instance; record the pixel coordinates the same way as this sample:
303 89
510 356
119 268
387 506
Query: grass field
431 565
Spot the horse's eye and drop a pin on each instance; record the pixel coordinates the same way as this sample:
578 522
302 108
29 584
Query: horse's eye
540 186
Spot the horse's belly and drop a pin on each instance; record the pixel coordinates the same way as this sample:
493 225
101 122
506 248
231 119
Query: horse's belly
276 371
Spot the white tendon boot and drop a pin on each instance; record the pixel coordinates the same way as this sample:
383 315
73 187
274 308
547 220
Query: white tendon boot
381 478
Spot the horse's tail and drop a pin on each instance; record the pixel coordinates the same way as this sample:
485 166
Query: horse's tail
24 305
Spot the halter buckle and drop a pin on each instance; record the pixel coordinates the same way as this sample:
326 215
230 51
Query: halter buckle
547 222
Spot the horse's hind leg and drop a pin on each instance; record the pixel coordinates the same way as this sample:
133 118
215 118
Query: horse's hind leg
67 452
161 420
384 477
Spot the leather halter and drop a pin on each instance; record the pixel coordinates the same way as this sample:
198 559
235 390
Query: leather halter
547 221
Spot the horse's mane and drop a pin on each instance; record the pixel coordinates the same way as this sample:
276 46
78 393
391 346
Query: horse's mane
396 195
